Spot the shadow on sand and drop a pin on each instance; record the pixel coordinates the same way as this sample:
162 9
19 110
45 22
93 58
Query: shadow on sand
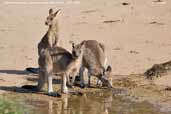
15 89
26 88
18 72
55 81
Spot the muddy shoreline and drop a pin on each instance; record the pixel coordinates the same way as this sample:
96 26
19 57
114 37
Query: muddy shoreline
134 88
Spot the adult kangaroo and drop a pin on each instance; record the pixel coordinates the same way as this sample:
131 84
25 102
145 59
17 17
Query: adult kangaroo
94 60
58 61
51 37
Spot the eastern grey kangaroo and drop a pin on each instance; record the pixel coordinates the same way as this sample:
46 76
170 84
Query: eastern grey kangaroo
51 37
58 61
94 59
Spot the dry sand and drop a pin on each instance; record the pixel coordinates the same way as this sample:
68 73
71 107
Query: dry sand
136 35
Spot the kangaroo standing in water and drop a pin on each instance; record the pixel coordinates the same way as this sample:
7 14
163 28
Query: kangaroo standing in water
50 39
94 59
58 61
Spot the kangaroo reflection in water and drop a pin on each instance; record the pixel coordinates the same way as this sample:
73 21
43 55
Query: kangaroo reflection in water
71 105
102 102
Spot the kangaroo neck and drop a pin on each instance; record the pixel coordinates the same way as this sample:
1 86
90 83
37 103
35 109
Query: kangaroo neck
53 28
79 59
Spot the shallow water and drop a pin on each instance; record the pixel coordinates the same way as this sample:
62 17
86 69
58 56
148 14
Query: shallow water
103 102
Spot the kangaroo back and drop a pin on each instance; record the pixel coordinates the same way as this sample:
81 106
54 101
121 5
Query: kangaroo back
94 54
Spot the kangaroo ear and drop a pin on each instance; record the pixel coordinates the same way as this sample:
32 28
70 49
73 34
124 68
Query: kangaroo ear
109 69
57 12
73 45
82 43
50 11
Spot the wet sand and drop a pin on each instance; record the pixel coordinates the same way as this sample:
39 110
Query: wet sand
103 102
130 94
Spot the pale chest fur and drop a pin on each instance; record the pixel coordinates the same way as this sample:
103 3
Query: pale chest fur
52 39
74 67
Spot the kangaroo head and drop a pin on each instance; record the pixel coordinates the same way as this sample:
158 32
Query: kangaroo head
77 50
50 19
106 77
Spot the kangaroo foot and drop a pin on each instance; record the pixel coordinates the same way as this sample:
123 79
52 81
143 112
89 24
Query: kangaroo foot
54 94
90 86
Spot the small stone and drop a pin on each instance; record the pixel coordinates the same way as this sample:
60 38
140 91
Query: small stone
125 3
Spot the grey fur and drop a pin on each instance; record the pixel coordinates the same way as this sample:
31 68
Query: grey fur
50 39
94 59
58 61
